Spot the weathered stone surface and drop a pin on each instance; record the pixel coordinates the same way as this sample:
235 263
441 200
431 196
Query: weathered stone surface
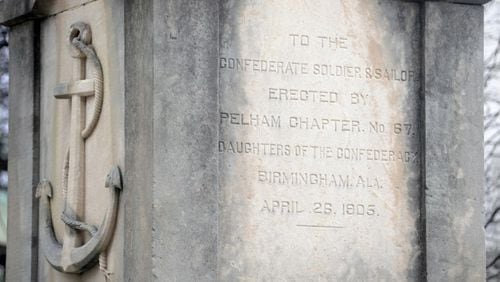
10 10
319 157
185 134
22 229
16 11
453 142
139 97
51 7
264 141
105 147
470 2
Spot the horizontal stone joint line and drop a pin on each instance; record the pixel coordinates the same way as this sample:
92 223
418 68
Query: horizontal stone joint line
320 226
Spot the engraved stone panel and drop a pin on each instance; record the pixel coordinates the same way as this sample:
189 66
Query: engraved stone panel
319 140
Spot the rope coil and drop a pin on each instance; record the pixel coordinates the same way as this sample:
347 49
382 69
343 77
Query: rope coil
97 75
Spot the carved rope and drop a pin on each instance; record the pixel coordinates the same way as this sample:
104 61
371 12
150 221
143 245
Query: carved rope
78 41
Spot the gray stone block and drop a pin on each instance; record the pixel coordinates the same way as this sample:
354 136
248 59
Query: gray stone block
185 127
22 229
453 142
139 98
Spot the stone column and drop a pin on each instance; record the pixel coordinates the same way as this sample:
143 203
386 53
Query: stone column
171 139
22 227
453 114
139 97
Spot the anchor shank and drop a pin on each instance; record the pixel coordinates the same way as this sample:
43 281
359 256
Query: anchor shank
76 181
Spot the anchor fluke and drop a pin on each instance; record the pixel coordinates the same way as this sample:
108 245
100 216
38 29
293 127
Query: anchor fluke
51 247
44 188
84 257
114 179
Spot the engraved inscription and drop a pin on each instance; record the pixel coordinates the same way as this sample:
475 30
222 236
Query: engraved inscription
317 69
332 42
318 179
318 142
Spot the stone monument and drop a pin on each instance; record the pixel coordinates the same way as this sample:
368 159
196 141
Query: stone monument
335 140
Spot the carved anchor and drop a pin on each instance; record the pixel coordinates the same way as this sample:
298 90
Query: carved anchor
71 256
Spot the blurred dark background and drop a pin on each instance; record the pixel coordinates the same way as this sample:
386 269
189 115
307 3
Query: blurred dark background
4 130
